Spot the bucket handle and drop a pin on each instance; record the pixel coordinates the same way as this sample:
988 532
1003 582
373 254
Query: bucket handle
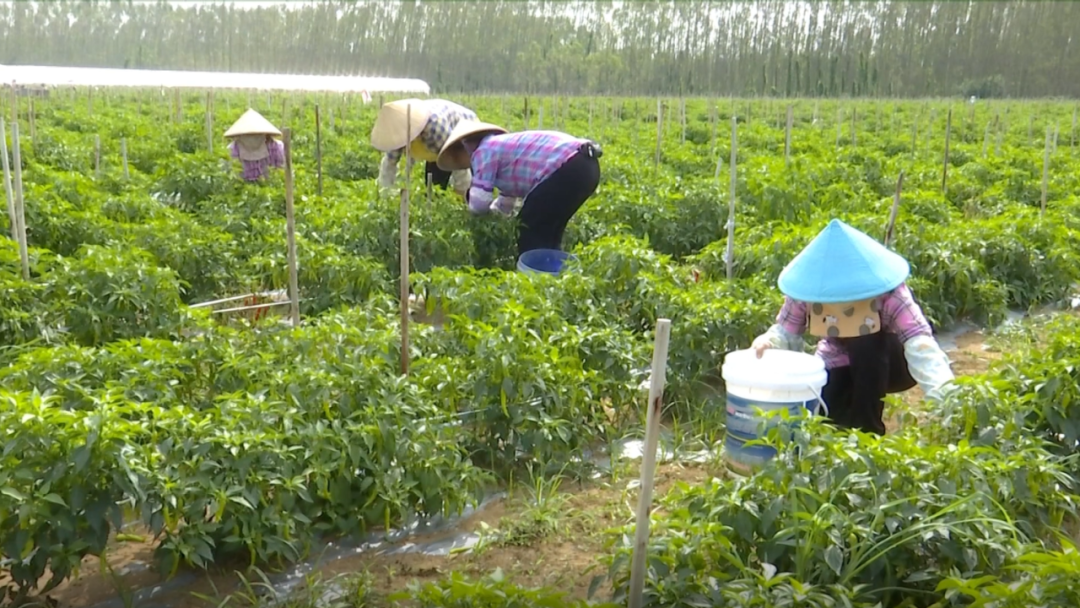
820 401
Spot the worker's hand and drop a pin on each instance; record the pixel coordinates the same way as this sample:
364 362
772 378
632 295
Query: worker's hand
760 345
504 205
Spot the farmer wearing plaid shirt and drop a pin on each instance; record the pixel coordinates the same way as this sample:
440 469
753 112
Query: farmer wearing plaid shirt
554 172
849 290
253 144
430 123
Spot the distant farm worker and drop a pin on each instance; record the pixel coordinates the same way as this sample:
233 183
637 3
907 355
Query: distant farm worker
254 145
430 123
849 290
554 172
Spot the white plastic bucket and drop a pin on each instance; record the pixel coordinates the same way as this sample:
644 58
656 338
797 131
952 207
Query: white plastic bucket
779 380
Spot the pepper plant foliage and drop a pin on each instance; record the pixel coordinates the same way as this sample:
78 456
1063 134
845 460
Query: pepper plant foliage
118 398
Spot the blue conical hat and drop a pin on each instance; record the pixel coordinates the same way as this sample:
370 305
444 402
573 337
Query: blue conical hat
842 264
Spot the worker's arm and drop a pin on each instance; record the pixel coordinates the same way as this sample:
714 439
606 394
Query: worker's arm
277 153
481 191
388 168
786 333
927 362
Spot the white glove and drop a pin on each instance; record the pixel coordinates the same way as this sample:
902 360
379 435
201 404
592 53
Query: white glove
387 173
461 181
504 205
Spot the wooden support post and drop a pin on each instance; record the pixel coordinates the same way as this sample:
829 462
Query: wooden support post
123 157
404 253
13 217
20 209
682 111
659 130
290 231
854 127
653 410
730 253
318 149
787 136
1045 173
33 126
97 156
945 162
895 211
986 139
210 122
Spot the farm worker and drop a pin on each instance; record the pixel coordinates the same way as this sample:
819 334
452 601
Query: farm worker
554 172
430 123
849 290
253 144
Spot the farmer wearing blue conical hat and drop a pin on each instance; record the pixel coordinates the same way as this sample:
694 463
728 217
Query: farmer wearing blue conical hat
848 290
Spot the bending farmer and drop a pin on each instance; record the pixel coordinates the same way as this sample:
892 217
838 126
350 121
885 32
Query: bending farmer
253 144
554 172
430 123
849 290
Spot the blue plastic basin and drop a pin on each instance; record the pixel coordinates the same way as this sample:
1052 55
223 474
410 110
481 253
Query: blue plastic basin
547 261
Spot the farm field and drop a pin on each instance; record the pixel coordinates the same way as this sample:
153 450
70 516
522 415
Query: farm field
201 452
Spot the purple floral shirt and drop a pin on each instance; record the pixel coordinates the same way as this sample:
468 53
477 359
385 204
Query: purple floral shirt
900 314
256 169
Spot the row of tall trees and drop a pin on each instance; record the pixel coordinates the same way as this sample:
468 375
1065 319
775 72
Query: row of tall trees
773 47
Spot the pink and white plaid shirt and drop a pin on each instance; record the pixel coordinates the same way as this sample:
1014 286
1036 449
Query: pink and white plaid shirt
256 169
900 314
516 162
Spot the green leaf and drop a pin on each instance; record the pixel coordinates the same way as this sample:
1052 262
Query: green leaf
12 493
834 557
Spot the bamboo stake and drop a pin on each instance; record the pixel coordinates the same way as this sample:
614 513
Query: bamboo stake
1046 173
210 122
540 115
986 139
648 460
1072 131
97 156
13 217
123 157
730 254
1055 139
839 125
404 234
914 137
712 125
895 211
945 164
33 126
682 109
20 210
290 230
787 136
854 130
318 149
659 129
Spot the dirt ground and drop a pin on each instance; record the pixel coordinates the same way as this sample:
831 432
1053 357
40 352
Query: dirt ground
554 544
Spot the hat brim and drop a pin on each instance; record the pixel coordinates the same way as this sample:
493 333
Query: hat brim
453 156
390 131
841 265
252 123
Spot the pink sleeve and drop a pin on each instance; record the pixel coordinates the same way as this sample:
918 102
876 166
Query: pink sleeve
901 315
793 317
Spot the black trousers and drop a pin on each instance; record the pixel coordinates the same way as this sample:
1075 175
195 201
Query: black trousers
855 393
439 177
551 204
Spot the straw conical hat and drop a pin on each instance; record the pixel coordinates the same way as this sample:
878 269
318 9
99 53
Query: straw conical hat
389 132
842 264
252 123
453 156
